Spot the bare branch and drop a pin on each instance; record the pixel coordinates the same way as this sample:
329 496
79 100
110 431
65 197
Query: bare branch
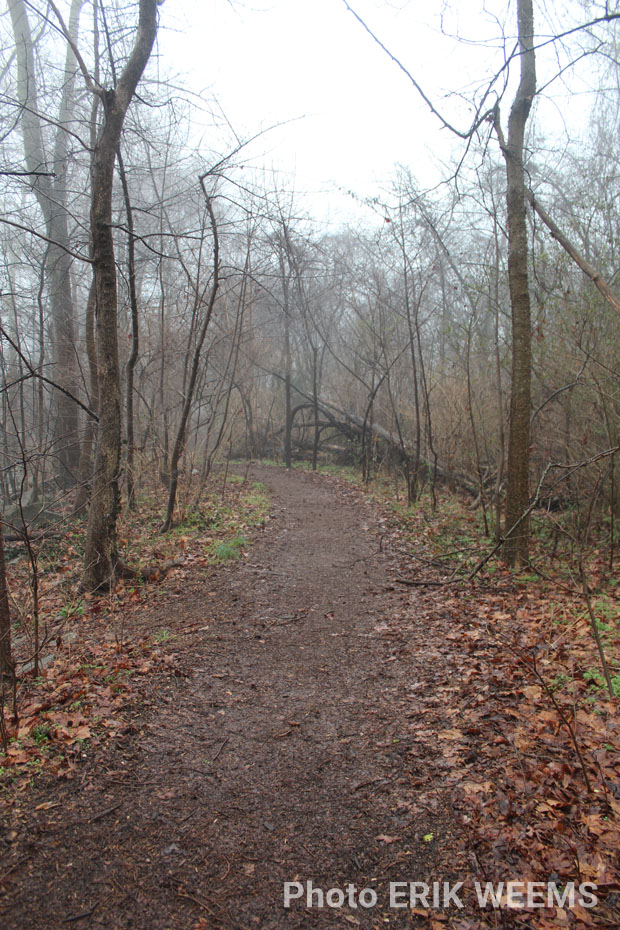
93 88
595 276
466 134
39 235
27 174
37 374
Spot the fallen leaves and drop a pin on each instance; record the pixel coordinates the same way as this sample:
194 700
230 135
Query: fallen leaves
78 701
475 720
94 657
496 704
450 734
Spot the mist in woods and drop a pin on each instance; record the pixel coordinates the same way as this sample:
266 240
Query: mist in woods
169 303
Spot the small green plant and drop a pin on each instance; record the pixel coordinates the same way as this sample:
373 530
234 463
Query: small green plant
558 681
41 733
595 678
225 551
72 610
231 549
194 520
163 636
605 607
598 683
255 502
35 765
602 626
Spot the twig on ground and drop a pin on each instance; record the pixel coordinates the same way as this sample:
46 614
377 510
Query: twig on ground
414 583
217 754
103 813
531 665
81 916
283 621
190 897
596 633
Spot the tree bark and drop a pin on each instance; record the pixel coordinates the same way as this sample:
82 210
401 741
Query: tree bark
135 335
288 364
7 669
101 551
82 490
516 546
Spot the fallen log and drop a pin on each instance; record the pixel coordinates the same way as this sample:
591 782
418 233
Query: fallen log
353 426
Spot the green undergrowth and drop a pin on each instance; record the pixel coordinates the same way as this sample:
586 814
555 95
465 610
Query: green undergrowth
214 530
347 472
229 549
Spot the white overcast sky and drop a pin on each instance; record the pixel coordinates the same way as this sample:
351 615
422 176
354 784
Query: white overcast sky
352 114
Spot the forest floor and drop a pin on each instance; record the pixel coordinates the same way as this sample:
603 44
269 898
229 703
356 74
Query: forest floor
311 718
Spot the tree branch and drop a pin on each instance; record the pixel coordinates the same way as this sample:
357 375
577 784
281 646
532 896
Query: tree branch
37 374
447 125
39 235
93 88
595 276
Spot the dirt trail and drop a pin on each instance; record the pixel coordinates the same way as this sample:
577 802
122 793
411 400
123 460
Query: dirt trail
286 755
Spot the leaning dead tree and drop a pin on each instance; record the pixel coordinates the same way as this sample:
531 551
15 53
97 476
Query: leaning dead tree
354 427
571 249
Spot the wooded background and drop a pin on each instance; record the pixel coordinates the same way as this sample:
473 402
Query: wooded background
163 306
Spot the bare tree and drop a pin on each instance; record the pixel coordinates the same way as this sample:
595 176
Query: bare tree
7 669
101 550
49 183
516 547
209 291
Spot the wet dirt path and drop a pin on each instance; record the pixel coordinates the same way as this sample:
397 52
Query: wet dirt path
287 755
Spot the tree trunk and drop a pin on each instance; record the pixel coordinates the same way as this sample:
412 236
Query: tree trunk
101 554
288 448
179 443
315 400
413 469
51 194
135 335
81 495
7 669
516 546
